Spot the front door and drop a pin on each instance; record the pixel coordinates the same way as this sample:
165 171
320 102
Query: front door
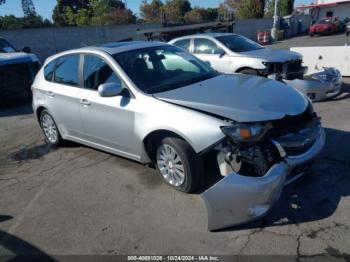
107 121
208 51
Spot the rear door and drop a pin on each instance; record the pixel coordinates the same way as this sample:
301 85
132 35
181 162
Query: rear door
62 93
107 121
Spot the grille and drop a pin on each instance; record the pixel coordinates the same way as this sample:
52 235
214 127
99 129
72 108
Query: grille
290 124
293 69
296 134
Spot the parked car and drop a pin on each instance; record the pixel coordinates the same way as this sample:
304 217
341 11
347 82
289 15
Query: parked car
17 72
155 103
323 26
232 53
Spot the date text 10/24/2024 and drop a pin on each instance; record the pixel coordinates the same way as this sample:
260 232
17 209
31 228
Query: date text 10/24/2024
173 258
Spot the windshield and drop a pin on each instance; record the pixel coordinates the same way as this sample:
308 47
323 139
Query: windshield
159 69
237 43
323 21
5 47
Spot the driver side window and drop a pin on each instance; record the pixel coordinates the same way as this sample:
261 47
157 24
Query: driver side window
97 72
205 46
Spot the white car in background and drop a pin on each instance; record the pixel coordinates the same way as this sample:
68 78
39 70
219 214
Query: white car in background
231 53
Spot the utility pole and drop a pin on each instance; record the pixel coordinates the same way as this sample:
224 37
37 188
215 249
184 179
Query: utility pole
275 23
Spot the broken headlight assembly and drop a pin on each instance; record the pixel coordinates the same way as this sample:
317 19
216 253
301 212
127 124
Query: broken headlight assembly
246 151
245 132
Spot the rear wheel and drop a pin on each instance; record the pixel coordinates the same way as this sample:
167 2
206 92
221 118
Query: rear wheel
50 129
178 164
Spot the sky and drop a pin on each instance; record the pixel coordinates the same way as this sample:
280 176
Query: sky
45 7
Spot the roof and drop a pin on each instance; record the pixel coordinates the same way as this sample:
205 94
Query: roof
322 5
204 34
118 47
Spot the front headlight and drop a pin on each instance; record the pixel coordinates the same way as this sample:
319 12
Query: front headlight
240 132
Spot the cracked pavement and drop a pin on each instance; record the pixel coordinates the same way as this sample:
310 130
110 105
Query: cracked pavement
77 200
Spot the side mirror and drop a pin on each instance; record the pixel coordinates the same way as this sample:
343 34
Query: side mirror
219 52
110 89
27 49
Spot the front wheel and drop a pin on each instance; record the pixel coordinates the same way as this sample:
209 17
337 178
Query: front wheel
178 164
249 71
50 129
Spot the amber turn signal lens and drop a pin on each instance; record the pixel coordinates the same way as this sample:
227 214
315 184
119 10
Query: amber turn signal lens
245 133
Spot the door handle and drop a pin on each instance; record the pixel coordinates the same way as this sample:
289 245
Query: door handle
50 94
85 102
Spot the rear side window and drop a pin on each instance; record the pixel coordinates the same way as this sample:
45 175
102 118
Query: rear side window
97 72
48 71
184 44
67 70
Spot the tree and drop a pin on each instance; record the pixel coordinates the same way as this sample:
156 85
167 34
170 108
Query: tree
198 15
209 14
2 2
11 22
59 17
194 16
175 10
151 13
285 7
106 12
28 8
91 12
251 9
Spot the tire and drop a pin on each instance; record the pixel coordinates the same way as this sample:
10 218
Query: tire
249 72
50 130
178 164
347 33
312 35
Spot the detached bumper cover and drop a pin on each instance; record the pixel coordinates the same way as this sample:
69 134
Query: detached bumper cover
319 86
238 199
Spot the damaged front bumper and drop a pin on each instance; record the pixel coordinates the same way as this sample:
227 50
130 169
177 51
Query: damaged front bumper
238 199
319 86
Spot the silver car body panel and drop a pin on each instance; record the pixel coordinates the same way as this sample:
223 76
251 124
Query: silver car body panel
120 124
232 62
240 98
319 86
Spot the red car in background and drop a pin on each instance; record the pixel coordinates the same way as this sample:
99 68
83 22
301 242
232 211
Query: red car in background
323 26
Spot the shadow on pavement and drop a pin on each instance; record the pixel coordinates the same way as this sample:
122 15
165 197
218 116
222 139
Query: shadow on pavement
315 196
13 248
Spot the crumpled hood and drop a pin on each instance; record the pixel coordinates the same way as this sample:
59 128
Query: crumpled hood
15 58
273 55
238 97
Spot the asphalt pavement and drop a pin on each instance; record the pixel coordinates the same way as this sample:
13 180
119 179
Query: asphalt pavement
77 200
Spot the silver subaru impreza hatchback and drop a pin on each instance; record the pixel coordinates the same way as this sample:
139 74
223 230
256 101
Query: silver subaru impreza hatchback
156 103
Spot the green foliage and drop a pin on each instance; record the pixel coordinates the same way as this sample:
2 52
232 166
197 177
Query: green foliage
198 15
251 9
175 10
285 7
151 12
91 12
28 8
13 22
